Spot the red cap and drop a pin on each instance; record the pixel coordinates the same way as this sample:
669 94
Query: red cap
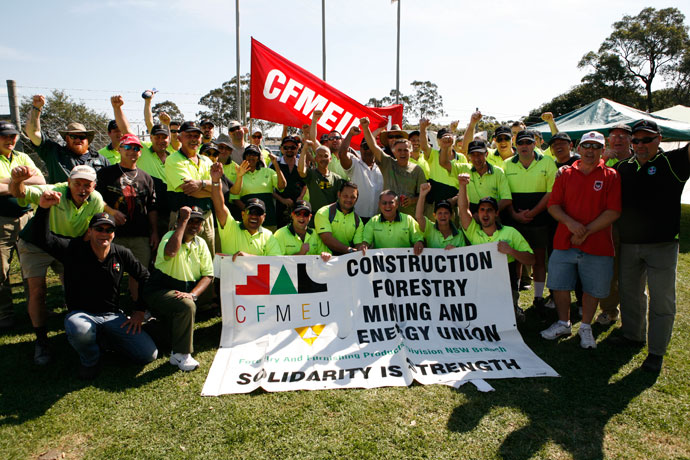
130 139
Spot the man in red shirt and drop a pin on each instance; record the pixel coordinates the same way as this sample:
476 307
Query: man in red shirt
586 200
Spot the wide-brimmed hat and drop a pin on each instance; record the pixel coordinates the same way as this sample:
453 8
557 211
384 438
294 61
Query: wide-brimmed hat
76 128
395 129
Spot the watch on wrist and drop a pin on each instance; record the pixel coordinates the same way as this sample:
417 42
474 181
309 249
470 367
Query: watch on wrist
194 297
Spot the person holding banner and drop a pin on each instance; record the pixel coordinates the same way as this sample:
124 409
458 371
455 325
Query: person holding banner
487 229
183 272
441 233
338 225
249 236
392 228
297 238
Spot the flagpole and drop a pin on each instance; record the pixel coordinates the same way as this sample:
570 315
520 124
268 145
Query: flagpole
323 36
237 54
397 63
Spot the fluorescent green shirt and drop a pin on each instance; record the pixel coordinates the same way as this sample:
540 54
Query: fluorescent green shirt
493 183
9 206
336 167
179 168
65 218
538 177
343 228
422 163
402 232
191 263
151 163
234 237
495 158
440 174
290 243
476 235
435 239
113 156
230 171
262 180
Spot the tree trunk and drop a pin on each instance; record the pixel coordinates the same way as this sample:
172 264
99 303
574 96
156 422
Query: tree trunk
648 87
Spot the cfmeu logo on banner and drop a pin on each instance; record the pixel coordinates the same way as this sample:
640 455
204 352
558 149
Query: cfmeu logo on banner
260 285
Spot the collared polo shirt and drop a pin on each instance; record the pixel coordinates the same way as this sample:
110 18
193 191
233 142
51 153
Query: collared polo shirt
191 263
422 163
493 183
435 239
401 232
444 184
651 197
495 158
234 237
529 185
343 228
291 243
262 180
110 154
150 162
65 218
9 206
584 197
60 161
179 168
476 235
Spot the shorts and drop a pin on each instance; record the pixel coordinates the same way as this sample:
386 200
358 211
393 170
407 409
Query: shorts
595 272
537 236
35 261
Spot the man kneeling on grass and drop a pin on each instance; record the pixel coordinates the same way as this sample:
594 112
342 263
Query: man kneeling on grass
94 267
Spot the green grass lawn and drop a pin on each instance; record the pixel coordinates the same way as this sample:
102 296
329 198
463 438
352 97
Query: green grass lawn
601 407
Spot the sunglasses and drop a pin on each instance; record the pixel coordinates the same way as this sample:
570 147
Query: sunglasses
256 212
303 214
644 140
256 136
334 138
212 154
102 229
232 130
81 137
174 130
289 147
136 148
525 142
591 145
503 139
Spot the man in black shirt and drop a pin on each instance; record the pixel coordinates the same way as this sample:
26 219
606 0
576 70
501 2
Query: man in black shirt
93 270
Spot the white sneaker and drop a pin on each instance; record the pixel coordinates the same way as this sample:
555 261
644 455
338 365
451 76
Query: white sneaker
586 337
550 304
556 330
605 319
184 361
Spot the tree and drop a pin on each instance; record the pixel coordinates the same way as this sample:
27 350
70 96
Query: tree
648 44
390 100
170 108
222 102
426 102
680 79
60 110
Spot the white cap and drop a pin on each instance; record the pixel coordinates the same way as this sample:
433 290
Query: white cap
593 136
83 172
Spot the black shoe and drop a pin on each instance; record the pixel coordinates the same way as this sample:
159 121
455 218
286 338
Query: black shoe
519 315
539 306
619 340
42 354
652 363
89 372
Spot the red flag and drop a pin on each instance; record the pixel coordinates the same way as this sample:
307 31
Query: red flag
285 93
392 113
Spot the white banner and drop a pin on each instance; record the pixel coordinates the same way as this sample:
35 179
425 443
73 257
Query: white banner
362 321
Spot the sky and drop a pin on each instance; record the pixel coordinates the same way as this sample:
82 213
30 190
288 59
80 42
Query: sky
503 57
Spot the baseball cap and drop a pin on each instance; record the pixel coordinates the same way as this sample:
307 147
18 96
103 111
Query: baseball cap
443 204
100 219
7 128
83 172
234 124
442 132
255 203
196 213
130 139
206 122
560 137
476 146
622 126
160 129
503 130
646 125
524 134
294 139
593 136
189 126
301 205
489 199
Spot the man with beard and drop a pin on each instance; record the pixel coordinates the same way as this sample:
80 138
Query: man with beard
207 128
364 172
295 187
60 160
69 218
297 238
338 224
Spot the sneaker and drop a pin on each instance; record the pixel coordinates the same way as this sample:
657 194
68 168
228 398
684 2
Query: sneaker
556 330
89 372
605 319
525 285
652 363
586 337
184 361
550 303
42 354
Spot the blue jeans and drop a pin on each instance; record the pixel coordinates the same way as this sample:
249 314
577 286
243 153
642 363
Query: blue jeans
595 272
85 330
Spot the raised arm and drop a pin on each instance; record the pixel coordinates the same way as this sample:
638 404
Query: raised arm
463 202
469 132
117 102
217 192
175 242
33 123
424 123
315 117
343 154
148 112
282 183
548 118
371 142
302 163
445 152
424 190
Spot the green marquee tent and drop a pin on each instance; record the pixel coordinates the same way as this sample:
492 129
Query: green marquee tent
603 114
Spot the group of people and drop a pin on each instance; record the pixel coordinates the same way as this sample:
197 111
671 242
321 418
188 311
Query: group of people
159 210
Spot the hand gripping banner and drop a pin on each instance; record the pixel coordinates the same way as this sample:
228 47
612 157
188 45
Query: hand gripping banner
385 318
285 93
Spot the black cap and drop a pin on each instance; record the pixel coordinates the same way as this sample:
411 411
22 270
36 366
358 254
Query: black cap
560 137
112 124
206 148
646 125
524 134
102 218
477 146
251 149
294 139
160 129
189 126
442 132
324 138
443 204
535 133
196 213
301 205
7 128
206 122
255 203
489 199
503 131
413 133
623 127
363 145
